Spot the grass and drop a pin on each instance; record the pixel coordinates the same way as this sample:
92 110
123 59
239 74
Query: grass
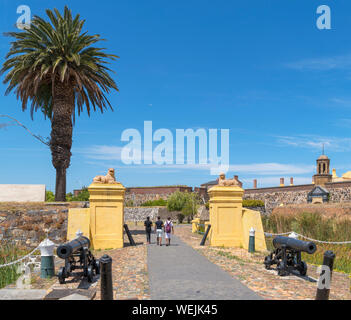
315 225
9 252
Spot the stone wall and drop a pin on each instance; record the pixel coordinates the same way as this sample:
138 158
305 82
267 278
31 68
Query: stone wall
27 223
139 195
273 197
141 213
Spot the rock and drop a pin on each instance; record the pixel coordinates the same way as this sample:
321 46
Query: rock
22 294
17 233
75 296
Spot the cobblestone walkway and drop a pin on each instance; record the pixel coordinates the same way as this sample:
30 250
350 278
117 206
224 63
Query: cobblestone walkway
178 272
129 267
249 269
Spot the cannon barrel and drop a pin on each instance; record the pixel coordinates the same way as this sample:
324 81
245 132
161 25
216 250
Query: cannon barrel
294 244
67 249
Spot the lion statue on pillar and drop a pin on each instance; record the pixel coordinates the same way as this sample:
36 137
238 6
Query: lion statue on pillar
108 179
223 182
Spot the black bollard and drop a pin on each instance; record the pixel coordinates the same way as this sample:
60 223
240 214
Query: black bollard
328 261
131 240
106 277
205 235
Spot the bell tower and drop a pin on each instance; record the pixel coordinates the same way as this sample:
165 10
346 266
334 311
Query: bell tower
323 170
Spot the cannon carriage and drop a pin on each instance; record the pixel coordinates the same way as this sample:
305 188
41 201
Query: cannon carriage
77 255
287 255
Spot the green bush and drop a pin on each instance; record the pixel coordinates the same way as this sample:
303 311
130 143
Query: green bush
177 200
129 203
185 202
154 203
253 203
49 196
82 196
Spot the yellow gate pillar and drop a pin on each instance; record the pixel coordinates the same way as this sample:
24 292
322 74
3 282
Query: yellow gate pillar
106 215
225 216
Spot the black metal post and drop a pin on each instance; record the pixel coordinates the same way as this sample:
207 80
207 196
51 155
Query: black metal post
106 277
328 261
131 240
205 236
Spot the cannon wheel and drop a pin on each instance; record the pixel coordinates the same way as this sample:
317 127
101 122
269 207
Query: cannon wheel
302 267
267 262
61 275
90 274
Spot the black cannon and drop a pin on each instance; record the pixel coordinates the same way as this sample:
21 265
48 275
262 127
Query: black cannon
77 256
287 255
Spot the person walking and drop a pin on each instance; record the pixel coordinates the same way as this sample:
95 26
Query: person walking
159 231
148 229
168 230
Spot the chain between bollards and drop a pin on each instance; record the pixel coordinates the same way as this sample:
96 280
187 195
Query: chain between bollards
325 276
106 277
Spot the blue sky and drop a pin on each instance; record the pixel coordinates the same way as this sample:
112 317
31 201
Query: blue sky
259 68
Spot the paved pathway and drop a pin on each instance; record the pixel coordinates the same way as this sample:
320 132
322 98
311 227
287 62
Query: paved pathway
178 272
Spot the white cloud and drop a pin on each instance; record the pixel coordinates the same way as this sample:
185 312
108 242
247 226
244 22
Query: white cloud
271 168
314 142
101 152
322 64
113 156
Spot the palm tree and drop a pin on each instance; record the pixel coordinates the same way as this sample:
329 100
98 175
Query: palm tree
53 66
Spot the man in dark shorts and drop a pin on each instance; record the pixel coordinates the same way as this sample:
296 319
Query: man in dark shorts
148 225
158 230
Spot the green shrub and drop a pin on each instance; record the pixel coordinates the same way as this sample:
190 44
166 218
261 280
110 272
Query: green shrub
82 196
129 203
177 200
185 202
155 203
49 196
253 203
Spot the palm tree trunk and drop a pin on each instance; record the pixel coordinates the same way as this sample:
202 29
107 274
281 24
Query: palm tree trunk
60 190
61 135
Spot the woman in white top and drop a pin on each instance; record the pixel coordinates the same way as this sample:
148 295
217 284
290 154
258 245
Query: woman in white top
168 227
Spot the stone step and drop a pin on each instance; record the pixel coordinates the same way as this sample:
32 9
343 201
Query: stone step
22 294
71 294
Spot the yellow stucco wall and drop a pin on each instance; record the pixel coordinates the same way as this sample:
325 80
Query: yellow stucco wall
252 219
78 219
230 223
103 221
106 215
225 216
